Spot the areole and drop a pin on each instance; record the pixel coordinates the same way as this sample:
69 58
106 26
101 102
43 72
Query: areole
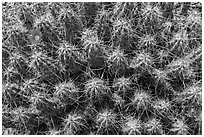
35 36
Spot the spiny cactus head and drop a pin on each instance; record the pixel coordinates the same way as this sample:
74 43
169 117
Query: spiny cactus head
132 126
179 127
96 88
73 122
154 126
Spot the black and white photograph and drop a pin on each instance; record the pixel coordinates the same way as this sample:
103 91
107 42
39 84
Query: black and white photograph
101 68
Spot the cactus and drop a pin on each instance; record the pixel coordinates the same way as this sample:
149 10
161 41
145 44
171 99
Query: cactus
105 68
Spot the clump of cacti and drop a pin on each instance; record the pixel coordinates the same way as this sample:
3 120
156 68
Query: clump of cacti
102 68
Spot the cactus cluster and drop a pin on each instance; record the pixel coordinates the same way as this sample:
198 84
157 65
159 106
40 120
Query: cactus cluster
102 68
